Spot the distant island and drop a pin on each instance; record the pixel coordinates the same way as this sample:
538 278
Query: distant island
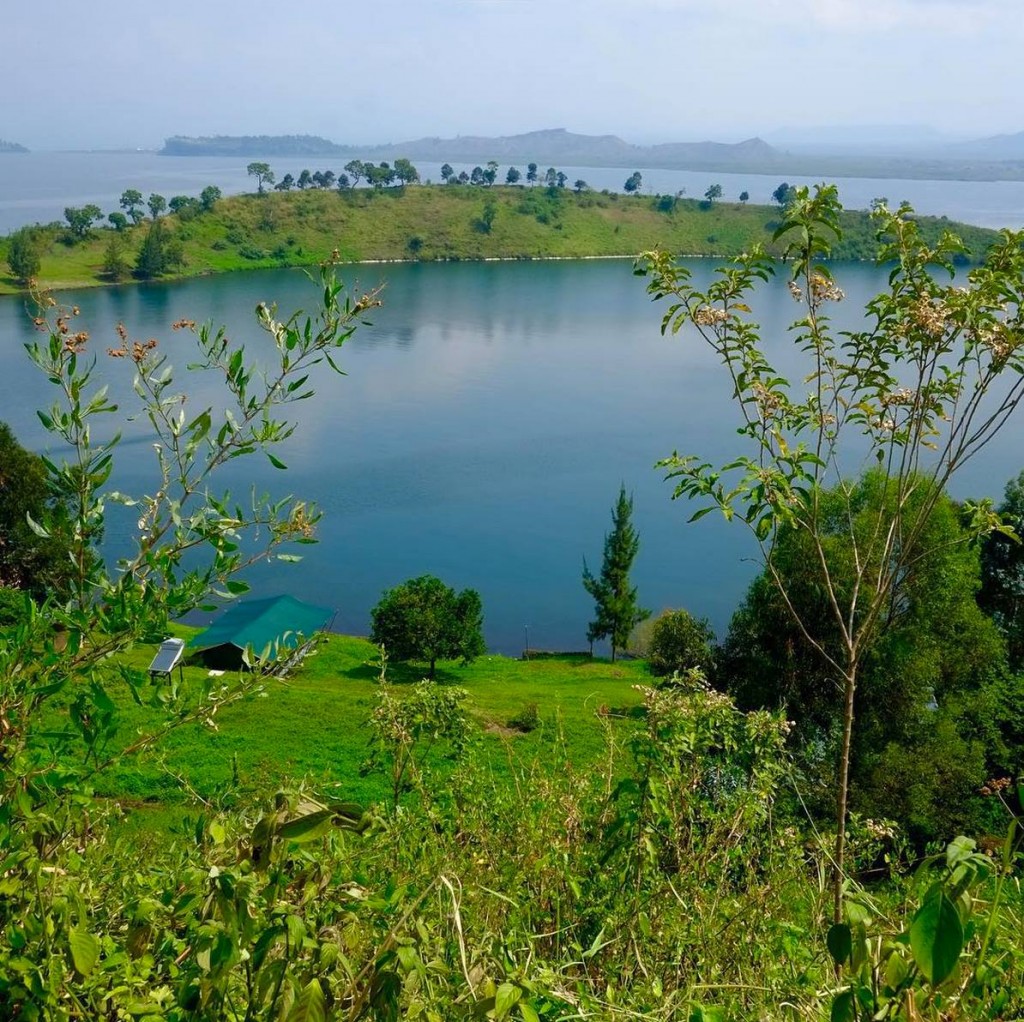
996 159
252 145
11 147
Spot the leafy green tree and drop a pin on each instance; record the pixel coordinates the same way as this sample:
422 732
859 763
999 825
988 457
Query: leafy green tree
263 174
305 179
209 197
157 204
118 221
939 652
115 262
406 173
551 177
34 542
380 176
24 253
131 203
912 384
344 184
160 253
680 643
463 178
181 203
285 184
423 619
513 176
617 612
785 194
581 186
476 176
81 218
531 173
447 172
1002 573
744 196
560 179
633 182
714 192
356 170
491 173
486 221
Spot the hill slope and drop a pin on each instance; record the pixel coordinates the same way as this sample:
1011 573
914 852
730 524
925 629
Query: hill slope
444 222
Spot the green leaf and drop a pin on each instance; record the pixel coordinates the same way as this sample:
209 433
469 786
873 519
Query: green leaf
308 827
505 999
843 1007
85 951
311 1005
936 937
959 849
236 587
528 1014
895 971
276 462
36 527
840 942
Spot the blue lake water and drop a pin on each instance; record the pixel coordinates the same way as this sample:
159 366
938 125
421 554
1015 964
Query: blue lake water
481 434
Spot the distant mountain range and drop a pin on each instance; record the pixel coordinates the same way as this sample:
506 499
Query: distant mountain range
994 159
997 147
555 146
251 145
11 147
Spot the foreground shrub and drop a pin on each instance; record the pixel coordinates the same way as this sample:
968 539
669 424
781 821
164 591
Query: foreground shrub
680 643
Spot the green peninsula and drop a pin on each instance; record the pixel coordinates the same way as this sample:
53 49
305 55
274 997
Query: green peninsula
418 222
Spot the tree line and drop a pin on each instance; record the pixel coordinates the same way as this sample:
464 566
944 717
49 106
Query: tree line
160 250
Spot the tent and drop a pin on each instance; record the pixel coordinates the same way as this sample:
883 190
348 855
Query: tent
241 635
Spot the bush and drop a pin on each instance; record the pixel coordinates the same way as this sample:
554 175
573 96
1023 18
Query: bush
12 607
526 720
680 642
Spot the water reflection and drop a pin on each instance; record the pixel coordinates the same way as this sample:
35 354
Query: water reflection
481 434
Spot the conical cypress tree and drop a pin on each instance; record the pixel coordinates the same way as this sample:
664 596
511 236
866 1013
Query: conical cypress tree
617 612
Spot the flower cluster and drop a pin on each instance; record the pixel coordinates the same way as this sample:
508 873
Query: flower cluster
903 396
368 301
998 339
825 289
930 316
137 350
768 401
995 786
707 315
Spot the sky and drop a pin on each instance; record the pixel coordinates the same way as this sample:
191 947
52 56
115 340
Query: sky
118 74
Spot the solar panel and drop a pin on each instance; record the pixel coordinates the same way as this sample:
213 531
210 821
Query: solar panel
167 656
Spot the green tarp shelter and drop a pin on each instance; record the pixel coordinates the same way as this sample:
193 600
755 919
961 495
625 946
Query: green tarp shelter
277 622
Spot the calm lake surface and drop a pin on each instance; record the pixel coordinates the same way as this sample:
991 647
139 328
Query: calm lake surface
481 434
35 187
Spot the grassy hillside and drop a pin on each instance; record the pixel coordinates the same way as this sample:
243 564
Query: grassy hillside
440 222
314 724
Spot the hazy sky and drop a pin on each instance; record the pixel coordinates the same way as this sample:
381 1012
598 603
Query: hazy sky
114 73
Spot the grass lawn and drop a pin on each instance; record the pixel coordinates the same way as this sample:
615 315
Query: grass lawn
313 726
